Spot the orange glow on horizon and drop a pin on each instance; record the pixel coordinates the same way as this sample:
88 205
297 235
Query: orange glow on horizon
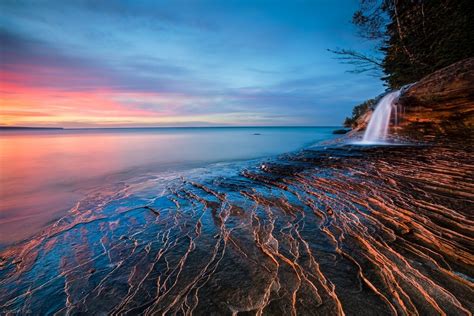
28 105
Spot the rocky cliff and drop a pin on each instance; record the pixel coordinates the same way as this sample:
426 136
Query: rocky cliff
440 104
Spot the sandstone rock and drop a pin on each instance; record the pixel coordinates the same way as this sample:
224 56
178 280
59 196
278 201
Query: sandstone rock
362 122
440 104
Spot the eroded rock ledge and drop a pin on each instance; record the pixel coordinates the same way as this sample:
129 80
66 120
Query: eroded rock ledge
438 106
441 104
345 230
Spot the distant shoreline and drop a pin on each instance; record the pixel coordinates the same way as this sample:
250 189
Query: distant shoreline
28 127
151 127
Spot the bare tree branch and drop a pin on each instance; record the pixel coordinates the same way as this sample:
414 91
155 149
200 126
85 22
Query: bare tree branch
362 63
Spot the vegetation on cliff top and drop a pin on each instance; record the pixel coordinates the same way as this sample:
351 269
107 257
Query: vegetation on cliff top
425 36
411 39
358 111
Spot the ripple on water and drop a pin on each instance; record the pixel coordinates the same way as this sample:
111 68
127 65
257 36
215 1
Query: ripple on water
347 229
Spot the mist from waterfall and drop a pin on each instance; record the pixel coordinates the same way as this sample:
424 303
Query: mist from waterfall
377 129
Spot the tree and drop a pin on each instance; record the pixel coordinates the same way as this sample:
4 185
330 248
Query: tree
424 36
414 37
358 111
362 63
371 20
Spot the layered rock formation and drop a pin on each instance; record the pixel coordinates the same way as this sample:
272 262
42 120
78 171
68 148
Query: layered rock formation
362 121
345 230
441 103
341 230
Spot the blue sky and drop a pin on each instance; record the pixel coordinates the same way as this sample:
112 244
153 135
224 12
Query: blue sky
178 63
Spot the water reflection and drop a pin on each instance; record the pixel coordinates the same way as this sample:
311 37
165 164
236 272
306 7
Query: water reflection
44 173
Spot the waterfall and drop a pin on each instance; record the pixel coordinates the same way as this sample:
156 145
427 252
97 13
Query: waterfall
377 129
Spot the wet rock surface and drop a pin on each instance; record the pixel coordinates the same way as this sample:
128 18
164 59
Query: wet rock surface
329 231
341 131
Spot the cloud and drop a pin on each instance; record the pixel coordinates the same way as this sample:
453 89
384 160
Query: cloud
38 64
221 63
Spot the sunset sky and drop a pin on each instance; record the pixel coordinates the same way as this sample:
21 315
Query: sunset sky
190 63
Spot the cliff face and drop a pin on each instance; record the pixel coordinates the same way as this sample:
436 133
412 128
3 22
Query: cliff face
362 121
440 104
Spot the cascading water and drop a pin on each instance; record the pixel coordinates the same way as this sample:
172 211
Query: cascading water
377 129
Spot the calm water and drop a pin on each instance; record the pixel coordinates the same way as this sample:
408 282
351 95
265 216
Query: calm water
44 173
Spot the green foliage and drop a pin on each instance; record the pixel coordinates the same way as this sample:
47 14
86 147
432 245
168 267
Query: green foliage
414 37
358 111
424 36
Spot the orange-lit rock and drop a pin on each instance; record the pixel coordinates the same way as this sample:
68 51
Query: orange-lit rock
441 103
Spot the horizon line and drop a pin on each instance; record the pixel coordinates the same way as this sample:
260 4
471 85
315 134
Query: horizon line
155 127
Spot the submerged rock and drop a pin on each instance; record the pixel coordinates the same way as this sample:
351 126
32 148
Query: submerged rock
360 230
341 131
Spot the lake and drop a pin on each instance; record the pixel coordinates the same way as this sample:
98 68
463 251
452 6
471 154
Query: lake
44 173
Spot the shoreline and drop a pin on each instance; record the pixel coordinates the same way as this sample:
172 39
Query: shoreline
335 220
79 189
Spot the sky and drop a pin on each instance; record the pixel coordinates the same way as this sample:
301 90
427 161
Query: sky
178 63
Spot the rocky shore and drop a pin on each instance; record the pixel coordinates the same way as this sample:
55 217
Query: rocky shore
330 230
